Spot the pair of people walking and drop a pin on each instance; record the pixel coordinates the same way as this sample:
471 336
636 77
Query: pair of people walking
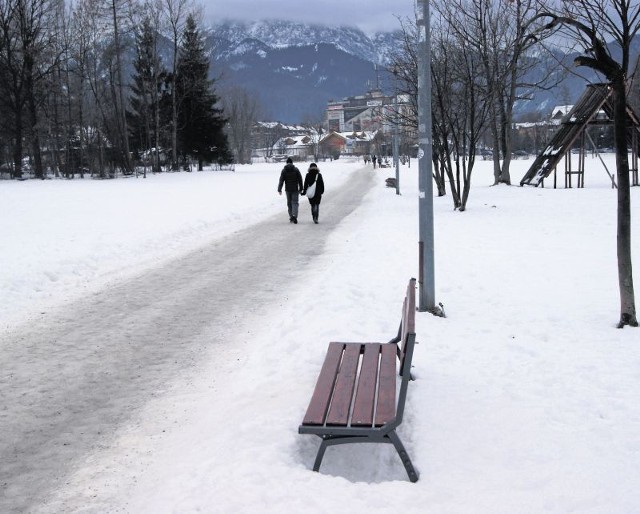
312 187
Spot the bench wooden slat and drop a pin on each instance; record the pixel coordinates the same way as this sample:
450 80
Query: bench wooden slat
319 404
365 393
386 407
343 391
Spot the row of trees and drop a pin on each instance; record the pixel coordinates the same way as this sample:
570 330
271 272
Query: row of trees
481 52
65 91
85 86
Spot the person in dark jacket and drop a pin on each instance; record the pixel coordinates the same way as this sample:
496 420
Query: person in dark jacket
291 178
313 177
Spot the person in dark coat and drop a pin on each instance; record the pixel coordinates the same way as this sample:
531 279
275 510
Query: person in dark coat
313 177
291 178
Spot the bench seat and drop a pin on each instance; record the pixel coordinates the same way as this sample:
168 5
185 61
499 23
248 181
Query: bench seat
356 386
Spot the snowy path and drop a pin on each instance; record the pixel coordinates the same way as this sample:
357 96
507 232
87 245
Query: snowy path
69 379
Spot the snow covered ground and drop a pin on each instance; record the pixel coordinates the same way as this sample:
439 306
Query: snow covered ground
526 398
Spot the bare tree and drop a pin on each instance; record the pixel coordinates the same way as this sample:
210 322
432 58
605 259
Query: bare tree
27 58
175 12
460 109
154 12
315 131
241 109
119 15
404 66
591 23
459 102
498 32
98 121
57 109
80 51
271 133
98 53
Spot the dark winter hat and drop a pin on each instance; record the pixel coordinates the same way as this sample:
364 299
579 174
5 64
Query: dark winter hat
289 161
313 166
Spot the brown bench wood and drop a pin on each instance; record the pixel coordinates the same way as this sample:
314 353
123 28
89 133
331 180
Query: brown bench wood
355 400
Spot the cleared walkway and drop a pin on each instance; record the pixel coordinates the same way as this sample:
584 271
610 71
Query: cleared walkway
70 380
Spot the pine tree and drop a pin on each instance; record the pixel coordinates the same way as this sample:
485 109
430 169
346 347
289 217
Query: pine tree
147 90
200 122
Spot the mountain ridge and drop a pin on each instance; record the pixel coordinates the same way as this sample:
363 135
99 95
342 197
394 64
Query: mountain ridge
282 34
294 68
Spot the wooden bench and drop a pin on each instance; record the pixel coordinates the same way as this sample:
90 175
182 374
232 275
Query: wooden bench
355 399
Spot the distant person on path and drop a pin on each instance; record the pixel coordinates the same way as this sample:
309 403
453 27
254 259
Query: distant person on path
312 178
292 180
374 162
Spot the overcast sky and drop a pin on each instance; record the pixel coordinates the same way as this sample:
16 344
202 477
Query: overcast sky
368 15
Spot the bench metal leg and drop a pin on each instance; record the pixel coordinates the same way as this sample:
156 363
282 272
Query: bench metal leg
404 456
320 455
391 437
331 441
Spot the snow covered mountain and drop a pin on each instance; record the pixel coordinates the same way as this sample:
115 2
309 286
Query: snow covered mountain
293 68
283 34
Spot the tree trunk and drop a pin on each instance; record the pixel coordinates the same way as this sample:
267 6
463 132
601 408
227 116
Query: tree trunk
35 136
506 119
495 135
122 118
625 275
17 148
156 113
70 130
174 108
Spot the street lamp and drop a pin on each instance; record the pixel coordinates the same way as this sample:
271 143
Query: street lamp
426 280
396 157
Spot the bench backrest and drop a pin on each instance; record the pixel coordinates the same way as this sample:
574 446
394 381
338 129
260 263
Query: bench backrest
406 340
407 322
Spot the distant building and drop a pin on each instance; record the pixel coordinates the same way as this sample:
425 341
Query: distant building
369 112
272 140
364 124
265 134
357 125
349 143
300 145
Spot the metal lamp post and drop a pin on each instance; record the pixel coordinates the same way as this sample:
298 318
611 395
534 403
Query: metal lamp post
396 156
426 280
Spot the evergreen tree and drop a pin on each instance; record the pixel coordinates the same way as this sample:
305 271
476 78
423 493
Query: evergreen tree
200 122
147 90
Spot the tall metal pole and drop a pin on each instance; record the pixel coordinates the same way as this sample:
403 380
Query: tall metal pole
396 156
426 280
